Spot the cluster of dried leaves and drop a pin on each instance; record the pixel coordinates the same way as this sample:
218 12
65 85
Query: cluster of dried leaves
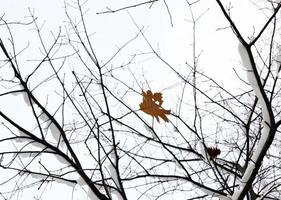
213 152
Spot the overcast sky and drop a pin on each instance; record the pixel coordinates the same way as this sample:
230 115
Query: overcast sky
174 43
219 48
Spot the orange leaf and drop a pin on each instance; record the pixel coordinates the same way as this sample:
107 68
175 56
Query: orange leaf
151 105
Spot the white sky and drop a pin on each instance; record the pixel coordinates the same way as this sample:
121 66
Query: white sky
174 42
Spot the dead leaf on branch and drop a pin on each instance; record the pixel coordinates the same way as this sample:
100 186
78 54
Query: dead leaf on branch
213 152
151 105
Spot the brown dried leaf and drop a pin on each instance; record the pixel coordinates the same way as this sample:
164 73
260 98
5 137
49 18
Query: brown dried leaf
213 152
151 105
